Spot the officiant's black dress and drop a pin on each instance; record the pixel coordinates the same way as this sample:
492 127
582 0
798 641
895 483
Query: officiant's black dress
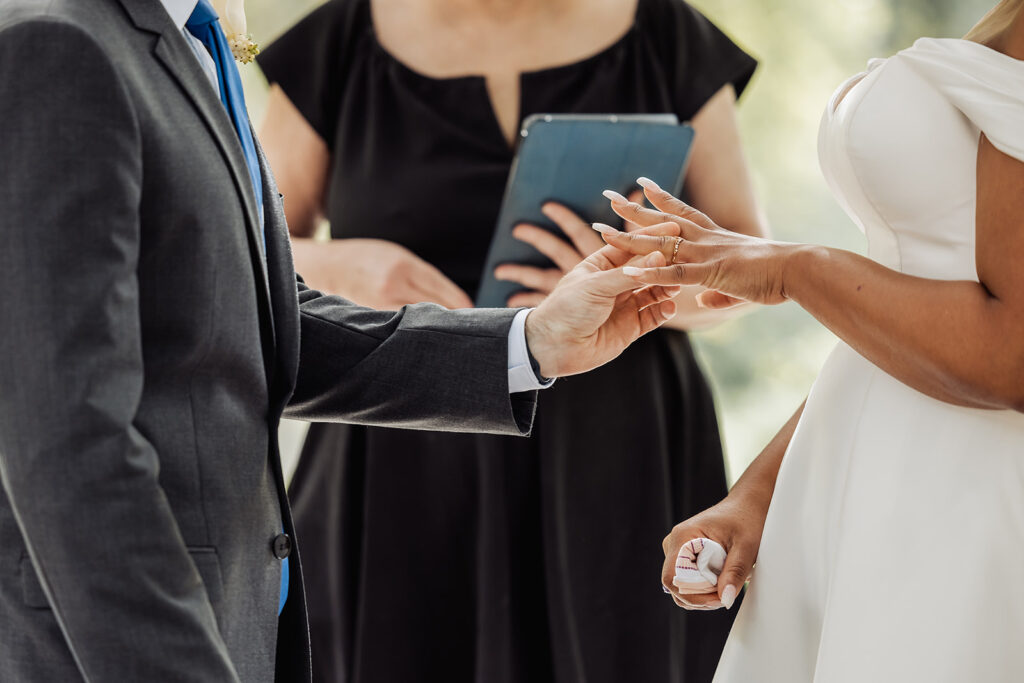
456 558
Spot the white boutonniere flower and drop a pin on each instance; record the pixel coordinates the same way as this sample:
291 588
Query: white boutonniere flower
232 20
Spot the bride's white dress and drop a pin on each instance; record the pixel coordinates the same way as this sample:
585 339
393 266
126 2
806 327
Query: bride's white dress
893 550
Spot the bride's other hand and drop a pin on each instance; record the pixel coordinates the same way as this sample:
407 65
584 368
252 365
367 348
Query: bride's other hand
566 255
736 523
734 267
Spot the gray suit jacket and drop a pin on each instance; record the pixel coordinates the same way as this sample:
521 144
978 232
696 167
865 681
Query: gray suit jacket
148 351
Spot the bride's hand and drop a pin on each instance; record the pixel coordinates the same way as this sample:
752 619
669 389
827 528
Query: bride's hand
734 267
736 523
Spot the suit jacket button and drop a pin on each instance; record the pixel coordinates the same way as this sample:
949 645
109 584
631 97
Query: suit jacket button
282 546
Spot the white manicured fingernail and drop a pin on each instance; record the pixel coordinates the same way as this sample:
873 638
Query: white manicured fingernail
632 271
605 229
729 596
648 184
615 197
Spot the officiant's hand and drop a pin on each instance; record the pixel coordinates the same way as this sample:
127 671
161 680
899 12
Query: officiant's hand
594 313
566 255
733 267
375 273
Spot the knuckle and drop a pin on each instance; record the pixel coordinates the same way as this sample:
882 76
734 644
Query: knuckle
679 271
666 544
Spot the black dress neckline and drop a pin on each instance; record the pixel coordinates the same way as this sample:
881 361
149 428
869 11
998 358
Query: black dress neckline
585 62
528 80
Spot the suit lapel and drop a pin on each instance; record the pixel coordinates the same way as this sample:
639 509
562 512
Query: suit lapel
174 53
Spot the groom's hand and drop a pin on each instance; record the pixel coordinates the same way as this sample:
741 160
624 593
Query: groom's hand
595 312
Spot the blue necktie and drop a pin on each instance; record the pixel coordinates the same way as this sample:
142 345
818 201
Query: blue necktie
204 26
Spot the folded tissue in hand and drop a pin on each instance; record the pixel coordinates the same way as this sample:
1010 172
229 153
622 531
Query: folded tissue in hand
698 565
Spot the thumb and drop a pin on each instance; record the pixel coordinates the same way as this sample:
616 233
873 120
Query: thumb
738 563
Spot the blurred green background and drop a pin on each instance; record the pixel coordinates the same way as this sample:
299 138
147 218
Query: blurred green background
763 364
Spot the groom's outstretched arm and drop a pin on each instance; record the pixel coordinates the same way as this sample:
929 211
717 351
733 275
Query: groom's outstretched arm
423 367
81 479
427 367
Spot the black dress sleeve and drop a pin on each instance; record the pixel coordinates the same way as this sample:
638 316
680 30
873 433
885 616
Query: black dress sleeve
698 58
310 62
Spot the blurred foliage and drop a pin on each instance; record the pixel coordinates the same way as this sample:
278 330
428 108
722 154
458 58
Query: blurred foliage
762 365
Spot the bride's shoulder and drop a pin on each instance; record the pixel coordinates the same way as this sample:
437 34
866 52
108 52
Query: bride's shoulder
963 54
985 84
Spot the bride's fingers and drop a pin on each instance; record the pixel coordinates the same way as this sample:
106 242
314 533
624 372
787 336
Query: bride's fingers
706 601
636 197
633 212
659 238
717 301
664 201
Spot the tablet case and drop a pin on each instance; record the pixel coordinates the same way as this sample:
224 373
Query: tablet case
571 159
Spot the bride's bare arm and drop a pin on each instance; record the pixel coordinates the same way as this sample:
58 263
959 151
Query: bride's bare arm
960 341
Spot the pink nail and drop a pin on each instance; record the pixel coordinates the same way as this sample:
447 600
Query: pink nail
605 229
615 197
729 596
632 271
648 184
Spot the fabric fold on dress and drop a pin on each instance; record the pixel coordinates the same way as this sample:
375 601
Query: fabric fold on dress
986 85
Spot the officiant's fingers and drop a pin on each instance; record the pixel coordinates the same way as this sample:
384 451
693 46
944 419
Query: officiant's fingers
578 230
676 274
667 203
558 250
433 285
526 300
538 279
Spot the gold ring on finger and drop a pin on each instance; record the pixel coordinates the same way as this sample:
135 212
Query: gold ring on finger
675 252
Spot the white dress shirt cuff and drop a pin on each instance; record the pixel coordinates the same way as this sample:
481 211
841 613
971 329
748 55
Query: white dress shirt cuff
521 376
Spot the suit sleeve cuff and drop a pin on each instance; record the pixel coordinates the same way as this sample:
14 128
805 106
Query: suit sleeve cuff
521 376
